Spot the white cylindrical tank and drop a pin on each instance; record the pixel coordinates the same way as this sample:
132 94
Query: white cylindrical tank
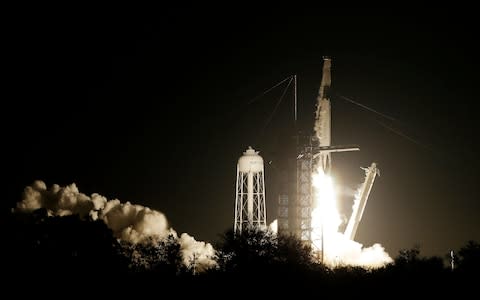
250 191
250 161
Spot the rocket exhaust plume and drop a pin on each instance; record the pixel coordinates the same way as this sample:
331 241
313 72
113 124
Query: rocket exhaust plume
129 222
338 248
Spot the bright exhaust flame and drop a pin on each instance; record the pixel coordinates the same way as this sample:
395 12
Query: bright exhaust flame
337 248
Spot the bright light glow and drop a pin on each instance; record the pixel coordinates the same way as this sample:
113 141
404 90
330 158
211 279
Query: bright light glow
337 248
325 210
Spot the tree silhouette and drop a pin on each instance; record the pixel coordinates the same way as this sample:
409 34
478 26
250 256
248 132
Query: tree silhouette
408 256
469 257
161 256
59 249
259 255
61 246
252 249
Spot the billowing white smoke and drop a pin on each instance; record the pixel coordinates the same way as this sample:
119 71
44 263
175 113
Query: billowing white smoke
196 254
134 223
129 222
59 201
273 227
337 248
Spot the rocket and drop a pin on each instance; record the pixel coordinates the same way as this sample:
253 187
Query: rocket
323 122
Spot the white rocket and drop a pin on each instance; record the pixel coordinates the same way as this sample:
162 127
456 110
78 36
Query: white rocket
323 120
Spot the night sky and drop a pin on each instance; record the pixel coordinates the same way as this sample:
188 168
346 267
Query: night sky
154 109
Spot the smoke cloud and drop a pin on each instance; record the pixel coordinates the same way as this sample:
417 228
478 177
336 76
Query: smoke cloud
129 222
273 227
199 255
340 250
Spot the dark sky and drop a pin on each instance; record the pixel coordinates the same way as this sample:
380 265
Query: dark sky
153 109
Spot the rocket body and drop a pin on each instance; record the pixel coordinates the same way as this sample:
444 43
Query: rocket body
323 117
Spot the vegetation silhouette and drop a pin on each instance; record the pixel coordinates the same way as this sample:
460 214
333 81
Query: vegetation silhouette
56 248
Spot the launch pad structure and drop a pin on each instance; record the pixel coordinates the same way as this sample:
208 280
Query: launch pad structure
297 202
312 151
